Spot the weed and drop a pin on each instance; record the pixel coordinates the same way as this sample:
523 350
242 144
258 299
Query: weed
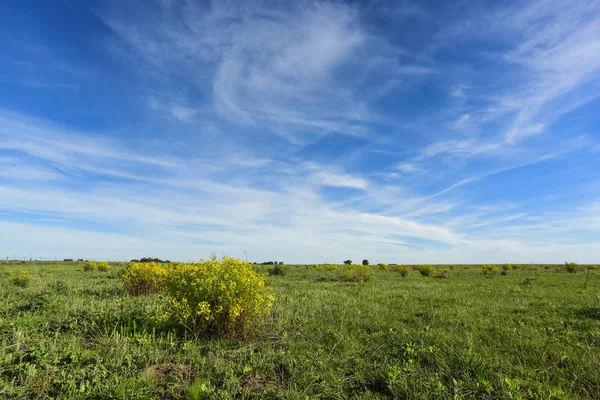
22 278
357 273
426 270
402 269
571 267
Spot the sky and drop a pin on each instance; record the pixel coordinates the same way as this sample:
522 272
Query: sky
304 132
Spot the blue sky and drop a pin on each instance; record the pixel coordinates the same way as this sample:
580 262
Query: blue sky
302 131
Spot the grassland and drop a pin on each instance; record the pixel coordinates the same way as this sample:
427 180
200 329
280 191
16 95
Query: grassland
77 334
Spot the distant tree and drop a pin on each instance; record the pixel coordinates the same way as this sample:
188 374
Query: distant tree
280 262
68 260
135 260
365 262
348 262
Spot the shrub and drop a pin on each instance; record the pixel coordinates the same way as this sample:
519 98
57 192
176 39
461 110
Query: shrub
506 267
441 275
143 278
571 267
489 269
348 262
426 270
402 269
365 262
89 266
102 266
22 278
327 267
277 270
382 266
593 267
357 273
225 297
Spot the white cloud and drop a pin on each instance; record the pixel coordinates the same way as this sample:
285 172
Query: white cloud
266 65
329 179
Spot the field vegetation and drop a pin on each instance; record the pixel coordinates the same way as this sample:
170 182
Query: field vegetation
226 329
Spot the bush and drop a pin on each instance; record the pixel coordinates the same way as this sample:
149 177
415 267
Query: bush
142 279
365 262
225 297
571 267
22 278
426 270
593 267
348 262
402 269
327 267
89 266
358 273
441 275
489 269
102 266
382 266
506 267
277 270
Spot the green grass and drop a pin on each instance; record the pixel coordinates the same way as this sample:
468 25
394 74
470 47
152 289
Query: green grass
524 335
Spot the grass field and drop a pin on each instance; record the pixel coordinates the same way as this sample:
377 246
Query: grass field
77 334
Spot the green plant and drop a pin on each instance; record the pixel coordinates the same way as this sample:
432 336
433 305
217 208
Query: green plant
22 278
277 270
489 269
402 269
426 270
571 267
357 273
224 297
103 266
365 262
382 266
143 278
442 273
89 266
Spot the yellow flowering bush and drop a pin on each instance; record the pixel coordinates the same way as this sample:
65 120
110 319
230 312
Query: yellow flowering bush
426 270
96 266
358 273
382 266
489 268
225 297
22 278
102 266
402 269
326 267
89 266
143 278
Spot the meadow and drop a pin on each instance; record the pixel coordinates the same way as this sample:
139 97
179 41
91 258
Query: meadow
470 332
